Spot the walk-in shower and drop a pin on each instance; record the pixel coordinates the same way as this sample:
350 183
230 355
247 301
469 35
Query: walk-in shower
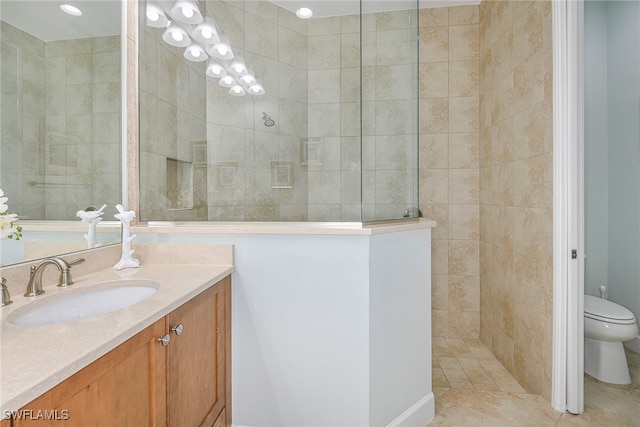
277 118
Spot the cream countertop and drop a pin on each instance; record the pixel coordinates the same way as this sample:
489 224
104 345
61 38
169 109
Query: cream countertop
36 358
300 228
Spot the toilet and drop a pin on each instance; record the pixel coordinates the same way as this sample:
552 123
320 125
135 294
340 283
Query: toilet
606 326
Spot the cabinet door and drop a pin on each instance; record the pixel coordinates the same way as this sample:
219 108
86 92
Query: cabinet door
196 358
124 387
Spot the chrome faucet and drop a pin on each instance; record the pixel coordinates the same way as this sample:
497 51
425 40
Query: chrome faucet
34 287
6 298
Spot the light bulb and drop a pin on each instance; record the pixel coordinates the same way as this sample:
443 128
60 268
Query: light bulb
222 50
195 52
71 10
187 11
177 36
207 34
216 69
304 13
248 79
227 80
153 15
237 90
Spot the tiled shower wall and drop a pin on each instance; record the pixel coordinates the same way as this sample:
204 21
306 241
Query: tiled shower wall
22 121
449 176
82 125
172 126
388 158
486 178
516 188
311 74
60 124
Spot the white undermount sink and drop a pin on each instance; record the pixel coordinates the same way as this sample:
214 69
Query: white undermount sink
91 301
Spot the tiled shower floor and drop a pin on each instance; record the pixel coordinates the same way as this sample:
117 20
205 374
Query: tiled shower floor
472 388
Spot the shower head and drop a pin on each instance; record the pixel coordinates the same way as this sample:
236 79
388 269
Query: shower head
268 121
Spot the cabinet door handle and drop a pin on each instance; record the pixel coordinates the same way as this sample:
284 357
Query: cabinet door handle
164 340
177 329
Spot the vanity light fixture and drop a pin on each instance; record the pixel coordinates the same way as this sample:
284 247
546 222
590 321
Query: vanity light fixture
238 66
248 79
205 32
156 17
187 12
195 53
222 49
237 90
227 81
176 36
215 70
256 89
304 13
70 10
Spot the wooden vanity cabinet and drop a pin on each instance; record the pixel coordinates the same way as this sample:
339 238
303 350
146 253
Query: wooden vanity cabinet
141 382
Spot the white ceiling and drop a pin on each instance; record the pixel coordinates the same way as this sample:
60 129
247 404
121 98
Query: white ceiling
44 19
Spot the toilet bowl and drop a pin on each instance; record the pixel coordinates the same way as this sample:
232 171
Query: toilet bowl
606 326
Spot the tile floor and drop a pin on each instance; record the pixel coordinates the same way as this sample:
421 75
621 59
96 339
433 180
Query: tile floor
473 389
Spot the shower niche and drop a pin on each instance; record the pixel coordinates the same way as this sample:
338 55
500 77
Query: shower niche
331 134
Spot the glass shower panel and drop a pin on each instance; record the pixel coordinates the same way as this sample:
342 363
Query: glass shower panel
335 119
390 110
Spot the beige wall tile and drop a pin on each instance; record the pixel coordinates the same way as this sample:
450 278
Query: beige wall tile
439 292
463 150
463 43
434 17
440 257
434 151
434 80
464 324
464 222
464 257
439 323
461 15
434 44
464 293
464 114
434 115
464 78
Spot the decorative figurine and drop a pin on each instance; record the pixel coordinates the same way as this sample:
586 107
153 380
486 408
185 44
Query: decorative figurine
127 260
92 217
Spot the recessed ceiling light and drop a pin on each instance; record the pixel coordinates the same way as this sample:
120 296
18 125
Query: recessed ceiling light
71 10
304 13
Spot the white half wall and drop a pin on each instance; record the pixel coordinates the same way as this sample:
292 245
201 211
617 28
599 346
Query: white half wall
328 330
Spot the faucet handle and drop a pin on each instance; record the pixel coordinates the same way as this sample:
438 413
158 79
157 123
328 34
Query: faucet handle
76 261
6 298
65 274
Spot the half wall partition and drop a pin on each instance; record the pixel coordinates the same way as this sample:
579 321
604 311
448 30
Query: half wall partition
318 120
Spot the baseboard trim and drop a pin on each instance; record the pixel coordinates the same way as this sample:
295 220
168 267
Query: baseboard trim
418 415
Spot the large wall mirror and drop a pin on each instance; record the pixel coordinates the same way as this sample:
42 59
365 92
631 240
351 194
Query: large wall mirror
61 130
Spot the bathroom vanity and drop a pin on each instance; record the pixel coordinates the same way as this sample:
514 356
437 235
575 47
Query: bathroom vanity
162 361
143 382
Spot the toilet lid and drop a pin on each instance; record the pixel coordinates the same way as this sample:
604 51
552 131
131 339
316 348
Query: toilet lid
607 311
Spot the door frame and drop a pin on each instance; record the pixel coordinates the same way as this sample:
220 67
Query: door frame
568 207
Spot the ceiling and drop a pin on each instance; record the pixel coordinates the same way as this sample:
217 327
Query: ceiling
44 19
